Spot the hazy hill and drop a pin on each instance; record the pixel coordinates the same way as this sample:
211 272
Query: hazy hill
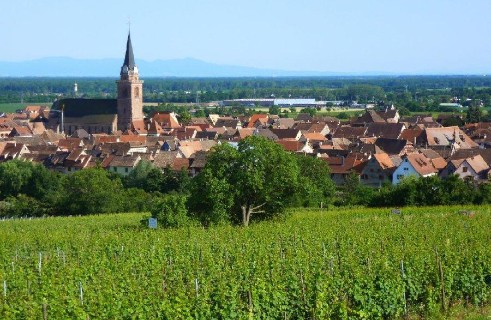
188 67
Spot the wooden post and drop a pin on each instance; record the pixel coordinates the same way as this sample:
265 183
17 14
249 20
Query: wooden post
45 311
403 274
81 292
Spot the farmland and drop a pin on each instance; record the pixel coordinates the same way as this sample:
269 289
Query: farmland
343 263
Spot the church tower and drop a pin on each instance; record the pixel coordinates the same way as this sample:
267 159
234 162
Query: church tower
130 91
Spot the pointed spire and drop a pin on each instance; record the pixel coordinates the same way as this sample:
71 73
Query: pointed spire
129 59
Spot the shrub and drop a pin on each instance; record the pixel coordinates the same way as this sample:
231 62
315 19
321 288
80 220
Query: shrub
170 210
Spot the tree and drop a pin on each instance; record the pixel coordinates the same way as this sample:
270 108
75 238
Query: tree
354 192
257 179
144 176
473 115
200 113
211 199
315 185
184 117
91 191
14 177
33 180
343 115
274 110
170 210
311 111
453 121
403 111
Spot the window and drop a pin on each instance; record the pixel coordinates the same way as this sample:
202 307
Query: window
464 169
126 170
406 169
115 169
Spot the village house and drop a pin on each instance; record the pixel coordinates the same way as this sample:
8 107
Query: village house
414 164
473 168
123 165
377 171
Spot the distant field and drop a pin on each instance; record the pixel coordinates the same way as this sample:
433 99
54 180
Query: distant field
12 107
431 263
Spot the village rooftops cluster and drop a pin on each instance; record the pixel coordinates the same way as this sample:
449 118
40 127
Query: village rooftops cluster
378 146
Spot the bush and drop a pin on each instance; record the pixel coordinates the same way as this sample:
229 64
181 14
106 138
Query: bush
135 200
170 211
92 191
22 206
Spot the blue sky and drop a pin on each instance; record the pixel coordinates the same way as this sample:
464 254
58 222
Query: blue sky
401 36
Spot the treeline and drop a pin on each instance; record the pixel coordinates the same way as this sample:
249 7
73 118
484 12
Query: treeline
401 90
428 191
257 180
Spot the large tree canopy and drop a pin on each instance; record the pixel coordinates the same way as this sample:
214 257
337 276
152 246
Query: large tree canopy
258 178
91 191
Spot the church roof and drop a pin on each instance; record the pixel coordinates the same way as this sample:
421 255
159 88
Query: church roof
129 59
84 107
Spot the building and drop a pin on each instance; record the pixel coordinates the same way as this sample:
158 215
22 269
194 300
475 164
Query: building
304 103
104 115
414 164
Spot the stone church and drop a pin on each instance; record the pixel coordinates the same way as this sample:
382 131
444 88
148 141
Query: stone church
106 115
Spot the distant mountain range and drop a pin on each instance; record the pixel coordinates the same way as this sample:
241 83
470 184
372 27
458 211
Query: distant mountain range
188 67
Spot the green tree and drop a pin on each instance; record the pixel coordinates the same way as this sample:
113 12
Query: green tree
473 115
311 111
91 191
458 191
170 210
211 197
453 121
403 111
184 117
14 177
200 113
257 179
33 180
354 192
274 110
343 115
144 176
315 185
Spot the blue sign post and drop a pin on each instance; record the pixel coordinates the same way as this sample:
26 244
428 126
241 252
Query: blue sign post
152 223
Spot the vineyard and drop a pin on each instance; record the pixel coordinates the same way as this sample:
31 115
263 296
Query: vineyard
337 264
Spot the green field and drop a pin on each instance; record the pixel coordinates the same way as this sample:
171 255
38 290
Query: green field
12 107
351 263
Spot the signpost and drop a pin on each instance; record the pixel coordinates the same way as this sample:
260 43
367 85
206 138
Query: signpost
152 223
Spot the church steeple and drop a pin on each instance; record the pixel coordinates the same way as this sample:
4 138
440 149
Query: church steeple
130 91
129 59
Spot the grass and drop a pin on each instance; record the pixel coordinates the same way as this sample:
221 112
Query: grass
12 107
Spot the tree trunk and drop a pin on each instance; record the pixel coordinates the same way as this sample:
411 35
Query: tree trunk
246 214
247 211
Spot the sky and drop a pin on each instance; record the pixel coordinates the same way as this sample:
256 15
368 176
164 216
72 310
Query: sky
397 36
